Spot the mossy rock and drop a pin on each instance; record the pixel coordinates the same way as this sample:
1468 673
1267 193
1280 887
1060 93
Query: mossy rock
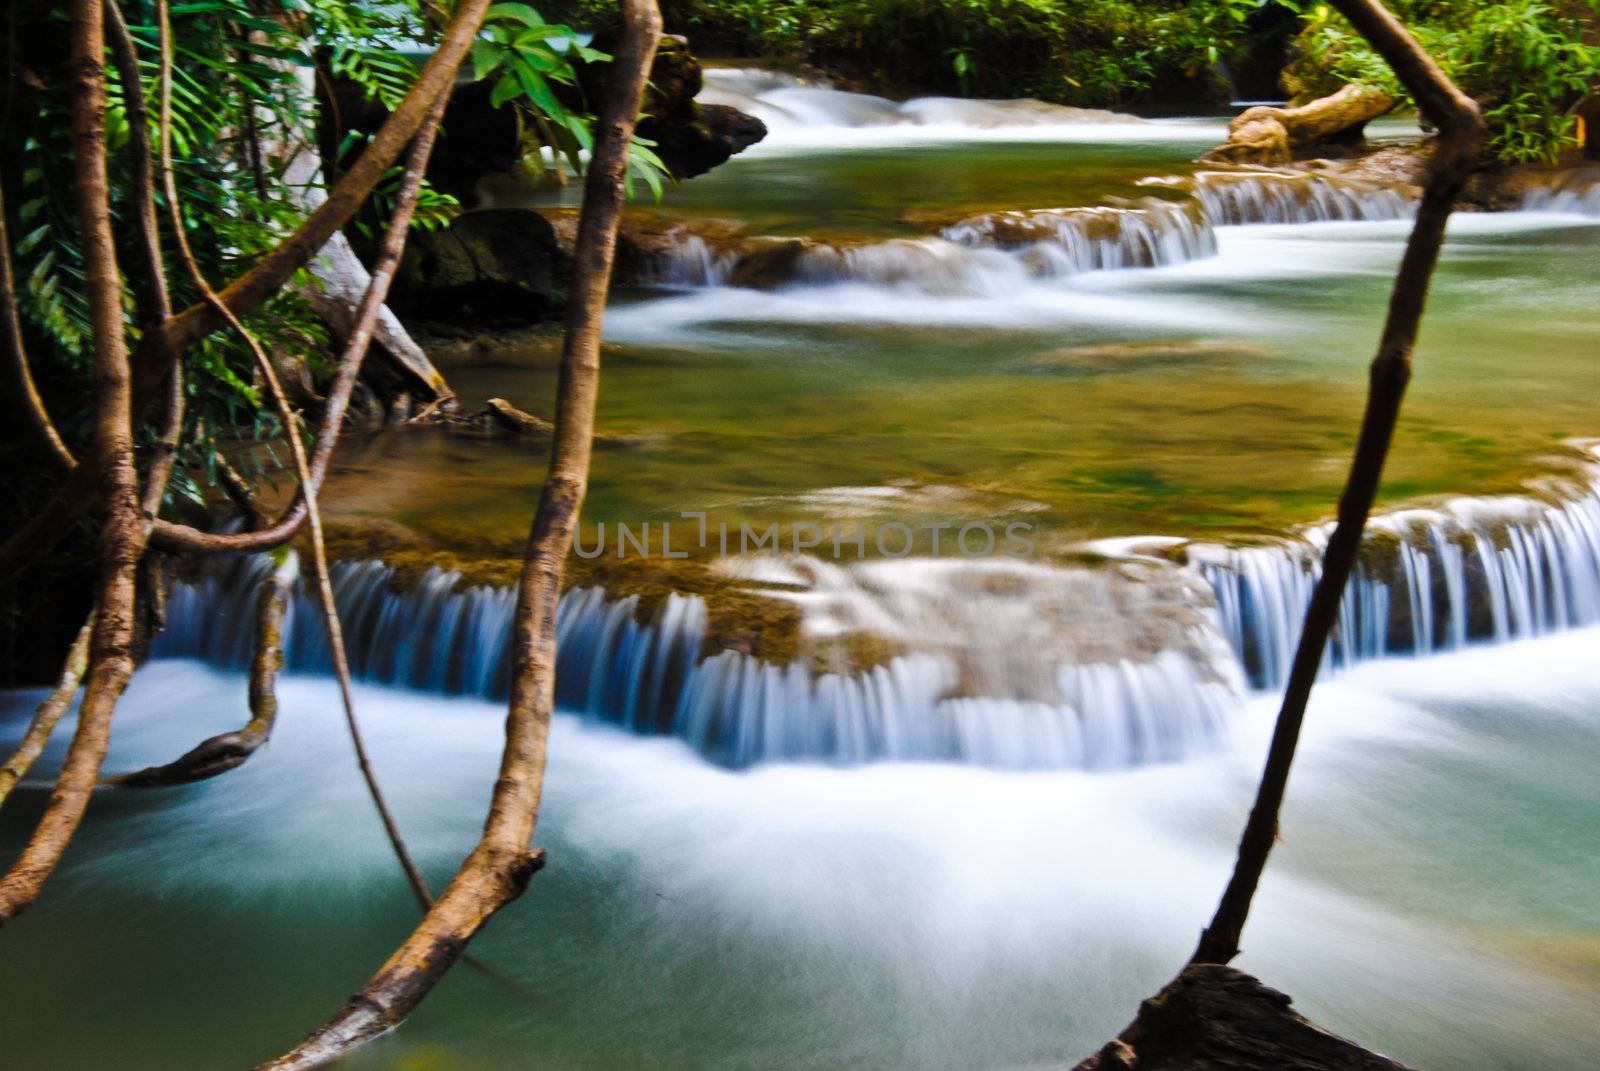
489 267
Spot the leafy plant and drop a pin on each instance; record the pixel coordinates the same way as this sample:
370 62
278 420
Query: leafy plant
1524 61
530 62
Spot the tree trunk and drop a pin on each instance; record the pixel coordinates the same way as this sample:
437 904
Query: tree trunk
1214 1018
122 535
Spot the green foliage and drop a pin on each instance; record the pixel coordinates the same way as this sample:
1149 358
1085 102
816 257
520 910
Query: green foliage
531 64
1087 52
1524 61
241 109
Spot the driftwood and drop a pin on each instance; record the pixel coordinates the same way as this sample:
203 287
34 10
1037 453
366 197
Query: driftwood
1216 1017
499 413
226 751
1267 135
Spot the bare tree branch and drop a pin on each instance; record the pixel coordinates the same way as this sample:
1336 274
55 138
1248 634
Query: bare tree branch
1460 138
48 713
178 537
160 346
27 393
227 751
297 451
156 302
499 867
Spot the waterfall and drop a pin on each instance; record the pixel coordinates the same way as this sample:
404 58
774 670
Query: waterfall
648 676
1064 241
1235 198
1473 570
786 102
1006 663
1576 193
997 252
688 262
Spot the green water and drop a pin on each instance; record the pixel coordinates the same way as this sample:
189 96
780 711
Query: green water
903 189
742 404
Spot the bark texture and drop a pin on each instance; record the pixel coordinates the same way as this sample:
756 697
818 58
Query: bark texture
47 714
226 751
1213 1017
122 534
1267 135
500 865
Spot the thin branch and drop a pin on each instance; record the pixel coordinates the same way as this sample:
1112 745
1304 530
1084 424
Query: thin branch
1460 138
27 393
185 538
227 751
269 273
155 298
153 276
297 450
239 492
500 865
48 713
122 535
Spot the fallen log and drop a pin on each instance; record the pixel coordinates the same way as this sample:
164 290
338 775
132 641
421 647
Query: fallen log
1272 136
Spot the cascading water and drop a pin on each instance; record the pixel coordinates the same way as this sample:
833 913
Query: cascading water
1575 194
1016 665
1239 198
1492 570
1065 241
650 677
787 101
996 252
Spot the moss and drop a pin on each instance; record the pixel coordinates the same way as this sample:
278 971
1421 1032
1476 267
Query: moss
739 616
855 653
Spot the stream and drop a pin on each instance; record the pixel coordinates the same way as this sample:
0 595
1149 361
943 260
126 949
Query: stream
982 845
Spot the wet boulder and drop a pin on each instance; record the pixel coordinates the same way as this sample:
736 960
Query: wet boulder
768 263
489 268
690 137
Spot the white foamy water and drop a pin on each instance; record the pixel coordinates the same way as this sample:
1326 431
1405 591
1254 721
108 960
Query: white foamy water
1080 277
803 116
894 915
